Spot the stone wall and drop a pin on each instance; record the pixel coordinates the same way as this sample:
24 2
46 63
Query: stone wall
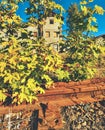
89 116
50 113
51 28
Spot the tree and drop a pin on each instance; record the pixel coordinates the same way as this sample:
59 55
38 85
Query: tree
81 18
80 48
27 66
9 21
39 10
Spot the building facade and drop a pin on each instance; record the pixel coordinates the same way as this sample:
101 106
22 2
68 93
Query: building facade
50 31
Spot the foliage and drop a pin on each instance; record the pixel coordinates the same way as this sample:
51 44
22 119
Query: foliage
27 65
82 57
9 21
81 50
39 10
81 17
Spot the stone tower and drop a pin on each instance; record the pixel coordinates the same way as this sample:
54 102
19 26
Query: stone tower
50 31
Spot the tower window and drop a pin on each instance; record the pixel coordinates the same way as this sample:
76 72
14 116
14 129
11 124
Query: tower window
35 34
51 21
55 34
47 34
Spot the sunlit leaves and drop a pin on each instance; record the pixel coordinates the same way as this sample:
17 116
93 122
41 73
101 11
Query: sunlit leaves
62 75
39 10
84 9
47 79
82 56
83 19
2 66
92 19
99 10
92 28
26 67
2 96
85 2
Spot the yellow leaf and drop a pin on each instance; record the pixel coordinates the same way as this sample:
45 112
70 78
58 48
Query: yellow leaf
20 67
16 76
2 66
13 60
9 21
92 28
84 9
3 24
99 10
4 44
8 78
2 96
10 50
92 19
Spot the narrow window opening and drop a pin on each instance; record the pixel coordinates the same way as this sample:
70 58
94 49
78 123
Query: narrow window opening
47 34
51 21
35 34
56 34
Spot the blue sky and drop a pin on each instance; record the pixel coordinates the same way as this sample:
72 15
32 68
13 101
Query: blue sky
66 4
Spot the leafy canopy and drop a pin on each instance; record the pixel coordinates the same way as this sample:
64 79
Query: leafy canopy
39 10
81 51
81 17
27 66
